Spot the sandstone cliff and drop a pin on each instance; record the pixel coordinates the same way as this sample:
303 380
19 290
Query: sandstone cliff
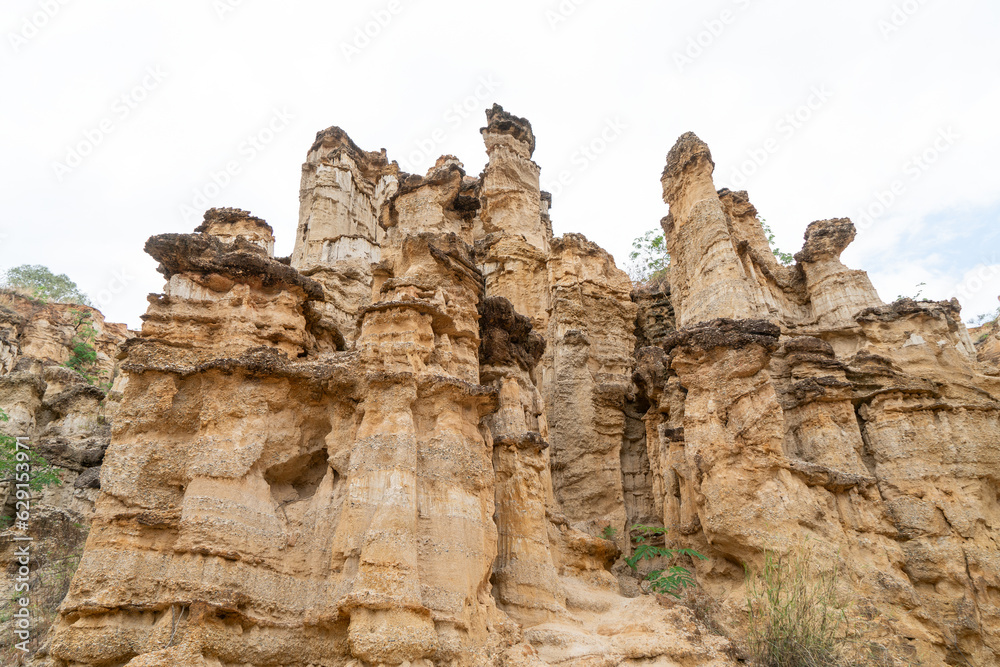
987 342
65 417
792 403
423 439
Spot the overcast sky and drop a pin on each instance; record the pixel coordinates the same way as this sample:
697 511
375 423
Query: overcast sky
127 118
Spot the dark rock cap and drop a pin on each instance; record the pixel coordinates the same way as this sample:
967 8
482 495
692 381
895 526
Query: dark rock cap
241 260
687 149
229 216
506 336
724 332
825 239
499 121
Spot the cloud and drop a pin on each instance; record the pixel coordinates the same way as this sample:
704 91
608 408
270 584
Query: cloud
891 95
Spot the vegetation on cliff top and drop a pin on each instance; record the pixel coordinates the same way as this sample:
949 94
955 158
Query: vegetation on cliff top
40 283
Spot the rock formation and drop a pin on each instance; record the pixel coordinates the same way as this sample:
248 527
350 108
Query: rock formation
343 192
64 416
423 438
345 456
986 338
793 404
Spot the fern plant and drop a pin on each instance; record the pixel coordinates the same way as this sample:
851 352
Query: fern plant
671 580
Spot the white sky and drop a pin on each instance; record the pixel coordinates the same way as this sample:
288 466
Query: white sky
229 69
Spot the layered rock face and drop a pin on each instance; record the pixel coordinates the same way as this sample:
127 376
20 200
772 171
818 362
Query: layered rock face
345 458
64 417
423 438
343 192
986 338
586 378
791 404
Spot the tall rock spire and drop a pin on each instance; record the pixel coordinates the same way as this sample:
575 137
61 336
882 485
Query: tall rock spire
510 192
707 279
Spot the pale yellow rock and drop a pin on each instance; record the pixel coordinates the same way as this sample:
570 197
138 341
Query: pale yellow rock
510 184
343 192
707 279
62 416
585 376
422 439
792 405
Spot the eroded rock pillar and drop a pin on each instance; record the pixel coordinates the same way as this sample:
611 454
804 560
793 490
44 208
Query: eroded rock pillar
419 531
525 580
836 293
707 279
586 377
343 192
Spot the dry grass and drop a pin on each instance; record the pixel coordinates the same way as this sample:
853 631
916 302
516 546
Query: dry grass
705 608
9 294
795 620
654 283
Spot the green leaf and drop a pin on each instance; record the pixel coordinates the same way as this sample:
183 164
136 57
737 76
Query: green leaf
649 259
42 473
42 284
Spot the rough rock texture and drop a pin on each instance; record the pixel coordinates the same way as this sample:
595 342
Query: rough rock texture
586 379
228 224
64 418
987 341
343 192
510 189
707 278
655 318
422 439
792 404
62 415
345 459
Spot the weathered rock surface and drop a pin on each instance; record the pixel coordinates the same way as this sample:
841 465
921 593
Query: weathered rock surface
792 404
346 459
63 414
344 190
64 417
422 439
986 338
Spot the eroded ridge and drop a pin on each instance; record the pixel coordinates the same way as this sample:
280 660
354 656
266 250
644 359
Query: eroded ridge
422 439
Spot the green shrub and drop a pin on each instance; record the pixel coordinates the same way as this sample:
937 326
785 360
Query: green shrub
785 258
649 259
671 580
16 462
984 319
